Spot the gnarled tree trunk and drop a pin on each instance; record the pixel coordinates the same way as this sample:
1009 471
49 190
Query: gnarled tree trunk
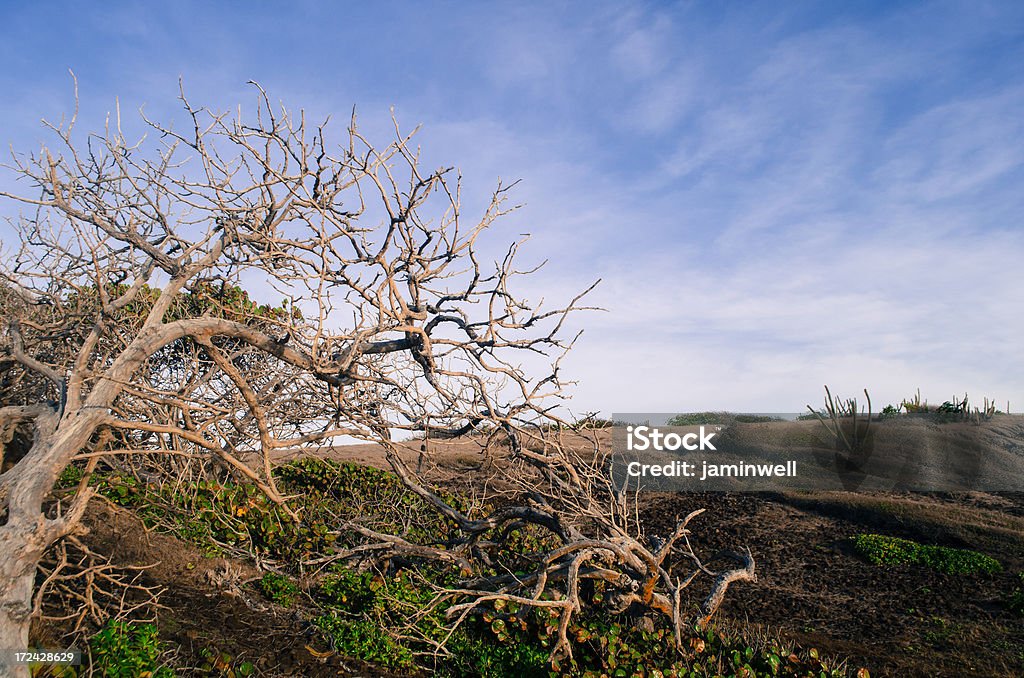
17 577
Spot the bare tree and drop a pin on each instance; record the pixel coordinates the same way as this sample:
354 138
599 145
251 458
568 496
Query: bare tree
125 336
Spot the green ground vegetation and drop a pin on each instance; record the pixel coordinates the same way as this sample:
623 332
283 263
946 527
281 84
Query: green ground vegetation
894 551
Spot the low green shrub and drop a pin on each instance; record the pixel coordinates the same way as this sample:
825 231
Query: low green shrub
225 515
699 418
367 613
278 588
613 645
388 621
704 418
365 640
883 550
128 650
890 411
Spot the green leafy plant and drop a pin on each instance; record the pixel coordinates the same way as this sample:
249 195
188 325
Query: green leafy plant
882 550
364 639
223 665
219 516
70 476
358 614
128 650
960 410
890 411
278 588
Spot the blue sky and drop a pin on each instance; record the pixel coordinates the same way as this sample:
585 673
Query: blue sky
776 195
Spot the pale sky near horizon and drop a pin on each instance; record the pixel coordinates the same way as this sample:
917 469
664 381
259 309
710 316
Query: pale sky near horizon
776 195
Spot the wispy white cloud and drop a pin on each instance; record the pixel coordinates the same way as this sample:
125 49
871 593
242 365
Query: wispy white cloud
954 148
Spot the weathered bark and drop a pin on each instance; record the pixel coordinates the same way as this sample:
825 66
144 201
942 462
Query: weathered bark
22 552
27 532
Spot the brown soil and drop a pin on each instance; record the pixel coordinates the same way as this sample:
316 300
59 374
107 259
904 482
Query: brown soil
211 604
812 589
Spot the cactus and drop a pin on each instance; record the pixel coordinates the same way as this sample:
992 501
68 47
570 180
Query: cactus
915 406
837 411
